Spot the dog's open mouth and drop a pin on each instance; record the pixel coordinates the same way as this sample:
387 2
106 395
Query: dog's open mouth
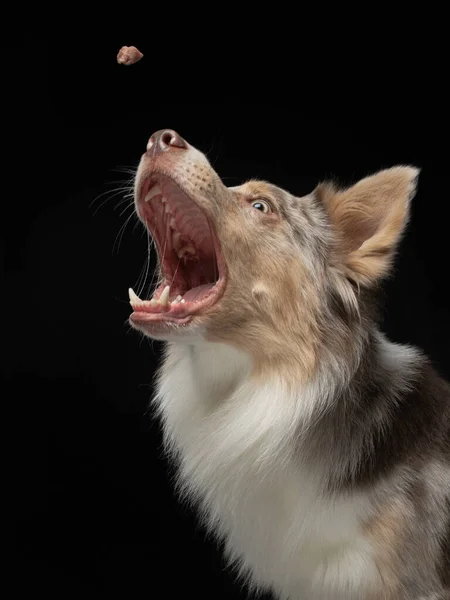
189 255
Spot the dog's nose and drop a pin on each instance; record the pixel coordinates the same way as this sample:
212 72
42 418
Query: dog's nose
165 139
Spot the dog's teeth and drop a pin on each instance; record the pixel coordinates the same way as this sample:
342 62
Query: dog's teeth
167 207
182 300
155 191
163 200
172 223
177 300
186 250
134 298
164 298
153 302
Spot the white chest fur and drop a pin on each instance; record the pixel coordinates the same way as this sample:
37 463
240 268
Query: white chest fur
233 441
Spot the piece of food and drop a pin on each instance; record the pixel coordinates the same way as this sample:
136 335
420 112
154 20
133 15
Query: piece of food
128 55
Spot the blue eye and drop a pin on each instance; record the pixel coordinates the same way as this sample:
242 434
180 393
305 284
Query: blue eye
261 205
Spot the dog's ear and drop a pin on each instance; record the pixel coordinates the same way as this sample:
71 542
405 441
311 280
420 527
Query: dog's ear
369 219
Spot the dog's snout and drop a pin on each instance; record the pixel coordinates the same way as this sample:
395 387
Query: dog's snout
165 139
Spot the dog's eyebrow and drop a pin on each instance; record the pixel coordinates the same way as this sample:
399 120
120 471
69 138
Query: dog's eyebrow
259 187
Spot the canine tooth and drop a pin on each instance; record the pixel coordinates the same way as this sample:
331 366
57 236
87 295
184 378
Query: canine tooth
155 191
134 298
164 298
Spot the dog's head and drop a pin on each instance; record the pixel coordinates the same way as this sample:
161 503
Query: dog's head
256 267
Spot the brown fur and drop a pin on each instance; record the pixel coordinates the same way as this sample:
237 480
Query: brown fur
387 531
370 216
256 330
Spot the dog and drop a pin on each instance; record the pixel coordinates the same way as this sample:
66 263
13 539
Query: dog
313 447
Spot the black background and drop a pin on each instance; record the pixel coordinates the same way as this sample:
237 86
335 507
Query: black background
97 515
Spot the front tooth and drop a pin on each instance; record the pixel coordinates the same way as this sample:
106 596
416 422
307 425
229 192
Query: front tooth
164 298
134 298
155 191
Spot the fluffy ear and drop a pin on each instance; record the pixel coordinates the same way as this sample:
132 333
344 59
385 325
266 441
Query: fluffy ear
369 218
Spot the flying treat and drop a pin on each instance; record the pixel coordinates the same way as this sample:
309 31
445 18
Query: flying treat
128 55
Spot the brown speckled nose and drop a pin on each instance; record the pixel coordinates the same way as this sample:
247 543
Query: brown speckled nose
163 140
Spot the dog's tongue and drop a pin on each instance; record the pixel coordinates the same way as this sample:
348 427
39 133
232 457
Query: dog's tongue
196 293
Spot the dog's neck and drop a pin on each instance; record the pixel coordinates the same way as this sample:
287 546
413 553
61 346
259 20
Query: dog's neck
216 374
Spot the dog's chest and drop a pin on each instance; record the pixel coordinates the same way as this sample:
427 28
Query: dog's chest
269 510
